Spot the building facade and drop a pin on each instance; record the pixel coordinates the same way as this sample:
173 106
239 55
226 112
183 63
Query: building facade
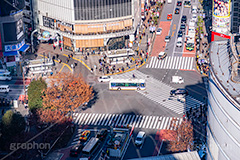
223 130
12 37
82 24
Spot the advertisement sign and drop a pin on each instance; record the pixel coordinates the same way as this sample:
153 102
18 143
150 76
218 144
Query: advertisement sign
14 47
221 16
1 51
13 31
19 29
48 22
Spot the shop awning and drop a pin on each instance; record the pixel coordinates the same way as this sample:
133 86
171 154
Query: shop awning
12 53
24 48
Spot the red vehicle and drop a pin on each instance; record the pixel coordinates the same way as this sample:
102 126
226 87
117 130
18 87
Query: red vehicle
169 16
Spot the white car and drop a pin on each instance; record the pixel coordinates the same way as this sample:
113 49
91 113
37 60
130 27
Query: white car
194 17
167 39
159 31
104 79
179 42
140 138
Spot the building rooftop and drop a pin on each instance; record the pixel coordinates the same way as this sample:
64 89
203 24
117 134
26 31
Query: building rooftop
223 62
177 156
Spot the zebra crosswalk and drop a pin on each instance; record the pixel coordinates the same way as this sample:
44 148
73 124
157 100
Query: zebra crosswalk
159 92
138 121
172 62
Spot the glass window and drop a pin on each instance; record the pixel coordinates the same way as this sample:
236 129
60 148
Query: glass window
120 84
133 84
113 84
142 85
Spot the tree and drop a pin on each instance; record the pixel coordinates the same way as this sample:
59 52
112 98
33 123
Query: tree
66 92
50 116
183 139
12 124
35 93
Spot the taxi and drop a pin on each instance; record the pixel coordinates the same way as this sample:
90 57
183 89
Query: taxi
169 16
84 136
162 55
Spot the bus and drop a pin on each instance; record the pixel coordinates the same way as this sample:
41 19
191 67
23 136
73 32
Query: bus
90 147
127 84
5 75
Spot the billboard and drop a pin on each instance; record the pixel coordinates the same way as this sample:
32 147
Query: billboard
13 31
221 16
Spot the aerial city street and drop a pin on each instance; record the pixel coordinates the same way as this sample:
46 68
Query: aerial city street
119 79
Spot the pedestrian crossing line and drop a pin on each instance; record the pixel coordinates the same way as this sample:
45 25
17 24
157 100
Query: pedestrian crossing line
138 121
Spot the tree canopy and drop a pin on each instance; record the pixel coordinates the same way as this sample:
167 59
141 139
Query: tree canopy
183 139
66 92
35 93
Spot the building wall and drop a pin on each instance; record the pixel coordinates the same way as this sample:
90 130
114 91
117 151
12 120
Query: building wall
223 123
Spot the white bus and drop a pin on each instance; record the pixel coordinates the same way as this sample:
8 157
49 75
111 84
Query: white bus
127 84
5 75
91 146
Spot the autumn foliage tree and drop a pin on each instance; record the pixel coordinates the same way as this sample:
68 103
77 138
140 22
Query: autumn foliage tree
183 139
66 92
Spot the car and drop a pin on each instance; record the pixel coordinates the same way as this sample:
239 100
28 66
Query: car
104 79
169 16
179 91
75 150
179 3
85 135
167 39
159 31
162 55
177 11
187 4
140 138
183 27
190 46
102 134
184 19
179 44
180 33
194 17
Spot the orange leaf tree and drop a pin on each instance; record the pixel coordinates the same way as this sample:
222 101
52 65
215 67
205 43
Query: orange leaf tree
66 92
183 139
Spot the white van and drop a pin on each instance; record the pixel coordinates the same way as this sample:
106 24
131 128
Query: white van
4 88
179 42
177 79
5 75
169 1
194 9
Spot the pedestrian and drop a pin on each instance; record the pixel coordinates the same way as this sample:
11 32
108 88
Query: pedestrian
92 70
61 48
60 61
67 60
57 56
75 64
71 55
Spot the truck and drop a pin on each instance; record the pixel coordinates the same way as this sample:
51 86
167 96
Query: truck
177 79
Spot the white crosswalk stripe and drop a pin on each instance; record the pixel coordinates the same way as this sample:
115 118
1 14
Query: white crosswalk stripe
139 121
159 92
172 62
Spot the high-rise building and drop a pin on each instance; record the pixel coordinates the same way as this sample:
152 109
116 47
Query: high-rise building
223 129
235 17
83 24
12 32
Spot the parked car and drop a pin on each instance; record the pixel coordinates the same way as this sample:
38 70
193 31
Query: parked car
75 150
104 79
140 138
169 16
177 11
159 31
162 55
167 39
184 19
179 91
102 133
179 3
85 135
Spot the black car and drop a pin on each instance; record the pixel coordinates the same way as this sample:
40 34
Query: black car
102 134
179 3
184 19
183 27
179 91
177 11
180 33
76 149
